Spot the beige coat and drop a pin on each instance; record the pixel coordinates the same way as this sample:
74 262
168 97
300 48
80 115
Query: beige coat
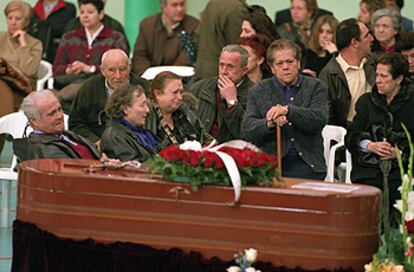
26 59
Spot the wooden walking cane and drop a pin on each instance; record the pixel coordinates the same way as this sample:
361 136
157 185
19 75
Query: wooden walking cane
279 150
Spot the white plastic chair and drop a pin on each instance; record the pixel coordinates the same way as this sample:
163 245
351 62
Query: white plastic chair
14 125
335 133
43 75
182 71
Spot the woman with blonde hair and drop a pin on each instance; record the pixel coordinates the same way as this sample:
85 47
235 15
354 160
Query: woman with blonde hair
321 46
20 57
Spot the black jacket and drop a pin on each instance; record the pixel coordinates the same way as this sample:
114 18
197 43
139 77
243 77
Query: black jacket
50 31
373 122
339 97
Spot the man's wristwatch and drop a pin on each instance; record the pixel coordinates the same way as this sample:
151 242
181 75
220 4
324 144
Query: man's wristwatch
92 69
231 103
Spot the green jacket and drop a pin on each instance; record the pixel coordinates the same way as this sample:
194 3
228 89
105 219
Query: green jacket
229 120
119 142
187 126
220 26
51 146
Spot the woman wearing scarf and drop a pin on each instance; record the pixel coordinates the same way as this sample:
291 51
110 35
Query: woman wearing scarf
172 118
124 137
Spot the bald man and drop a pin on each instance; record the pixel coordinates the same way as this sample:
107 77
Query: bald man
86 116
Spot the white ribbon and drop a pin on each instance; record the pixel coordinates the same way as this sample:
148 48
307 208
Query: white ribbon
228 161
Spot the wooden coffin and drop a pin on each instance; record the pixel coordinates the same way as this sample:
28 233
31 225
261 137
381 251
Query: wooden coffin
313 225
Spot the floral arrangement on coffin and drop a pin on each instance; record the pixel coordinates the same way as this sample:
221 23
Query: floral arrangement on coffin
244 261
192 163
396 253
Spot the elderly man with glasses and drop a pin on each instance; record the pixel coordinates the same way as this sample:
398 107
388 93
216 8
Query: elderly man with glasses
86 116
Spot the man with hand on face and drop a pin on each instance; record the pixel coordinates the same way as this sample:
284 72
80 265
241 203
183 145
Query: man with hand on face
86 116
298 105
158 42
223 99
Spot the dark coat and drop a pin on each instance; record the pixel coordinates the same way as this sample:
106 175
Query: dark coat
156 47
339 96
220 26
85 115
51 146
370 121
307 117
187 126
50 30
229 121
119 142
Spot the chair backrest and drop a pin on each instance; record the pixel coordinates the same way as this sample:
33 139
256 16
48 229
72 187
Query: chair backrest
15 124
332 133
45 72
182 71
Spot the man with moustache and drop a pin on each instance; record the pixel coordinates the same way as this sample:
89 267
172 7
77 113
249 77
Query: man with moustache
222 100
297 104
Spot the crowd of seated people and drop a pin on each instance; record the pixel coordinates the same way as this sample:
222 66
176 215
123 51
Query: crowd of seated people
300 73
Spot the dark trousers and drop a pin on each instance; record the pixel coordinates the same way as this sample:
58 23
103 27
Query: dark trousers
294 166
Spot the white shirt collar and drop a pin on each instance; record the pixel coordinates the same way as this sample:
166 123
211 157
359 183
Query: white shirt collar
92 37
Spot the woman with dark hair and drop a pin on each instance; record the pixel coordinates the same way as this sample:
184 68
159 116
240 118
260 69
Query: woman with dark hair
258 23
321 46
299 30
171 118
79 54
257 65
124 137
377 126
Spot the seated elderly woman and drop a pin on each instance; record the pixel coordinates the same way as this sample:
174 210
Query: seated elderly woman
377 126
20 56
124 137
386 24
171 118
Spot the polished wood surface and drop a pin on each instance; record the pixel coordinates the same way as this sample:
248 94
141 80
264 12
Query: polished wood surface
311 228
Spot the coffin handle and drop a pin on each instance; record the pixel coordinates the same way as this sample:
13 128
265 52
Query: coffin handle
177 190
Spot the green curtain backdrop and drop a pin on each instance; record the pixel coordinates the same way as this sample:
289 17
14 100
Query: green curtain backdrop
135 11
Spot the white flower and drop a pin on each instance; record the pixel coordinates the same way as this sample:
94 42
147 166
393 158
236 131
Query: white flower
191 145
250 269
251 255
233 269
